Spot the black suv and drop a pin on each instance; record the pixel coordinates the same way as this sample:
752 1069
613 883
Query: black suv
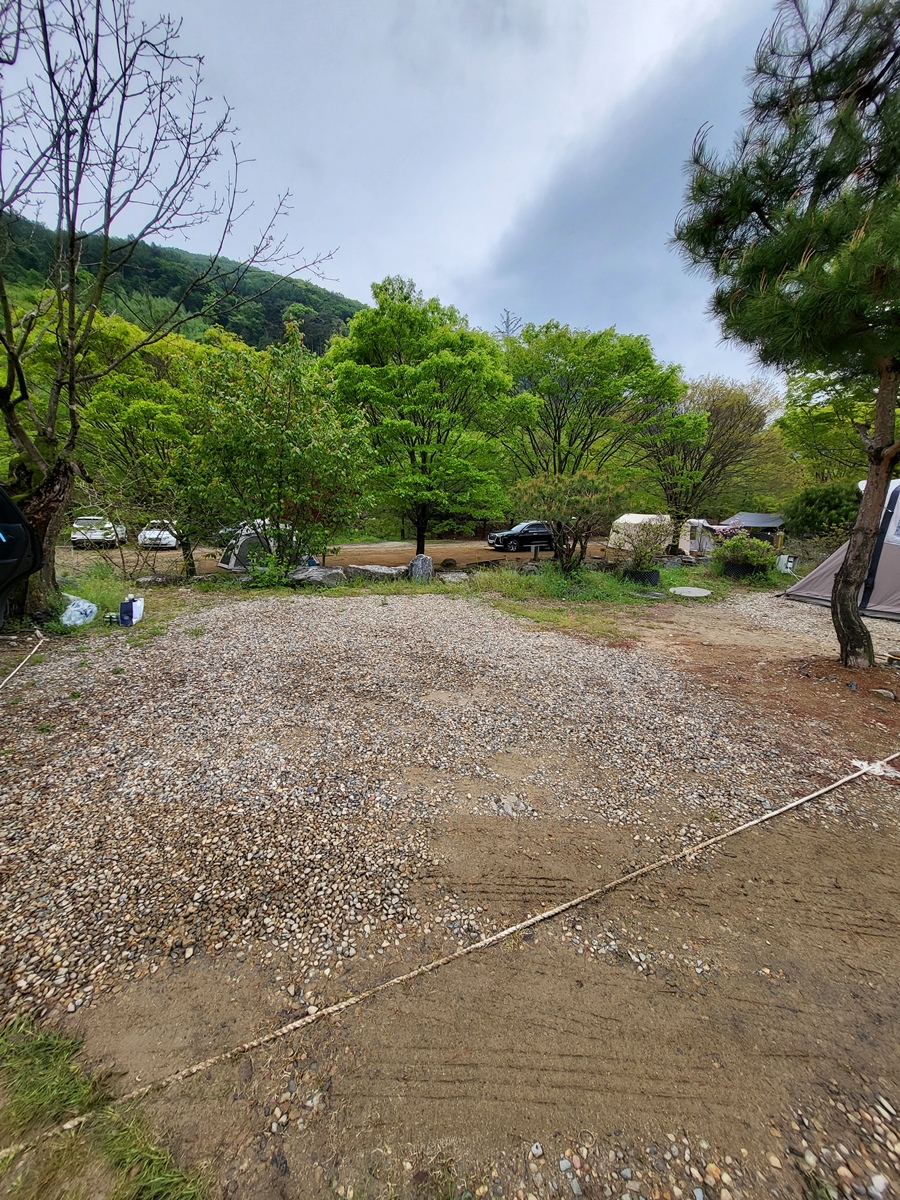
523 536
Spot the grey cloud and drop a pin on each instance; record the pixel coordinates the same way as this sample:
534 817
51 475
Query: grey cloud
593 251
412 133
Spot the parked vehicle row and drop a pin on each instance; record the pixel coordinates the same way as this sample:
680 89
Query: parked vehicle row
91 533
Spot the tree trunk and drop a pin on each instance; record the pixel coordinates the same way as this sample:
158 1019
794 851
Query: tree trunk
853 636
45 509
187 557
420 538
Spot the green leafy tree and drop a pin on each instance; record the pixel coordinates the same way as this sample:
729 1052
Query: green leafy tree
581 396
820 425
103 124
432 391
139 436
272 438
821 511
800 228
708 444
577 507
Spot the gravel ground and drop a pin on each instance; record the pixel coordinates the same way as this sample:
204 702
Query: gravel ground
767 611
274 778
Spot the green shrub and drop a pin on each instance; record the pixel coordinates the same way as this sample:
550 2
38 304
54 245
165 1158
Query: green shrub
268 571
742 550
820 511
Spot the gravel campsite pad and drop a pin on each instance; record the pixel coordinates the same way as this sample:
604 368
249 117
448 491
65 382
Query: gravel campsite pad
326 784
279 777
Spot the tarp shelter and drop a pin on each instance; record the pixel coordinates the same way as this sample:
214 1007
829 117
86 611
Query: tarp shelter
696 536
758 525
880 594
626 530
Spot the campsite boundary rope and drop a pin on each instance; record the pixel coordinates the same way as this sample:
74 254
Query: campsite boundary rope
686 854
16 670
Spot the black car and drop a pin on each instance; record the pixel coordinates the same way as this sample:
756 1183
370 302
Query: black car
523 536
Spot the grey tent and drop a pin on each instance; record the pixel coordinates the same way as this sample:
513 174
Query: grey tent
252 544
246 548
880 594
758 525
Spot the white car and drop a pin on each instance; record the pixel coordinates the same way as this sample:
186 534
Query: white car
88 532
158 535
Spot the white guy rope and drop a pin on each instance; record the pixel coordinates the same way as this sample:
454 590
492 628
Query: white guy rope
15 671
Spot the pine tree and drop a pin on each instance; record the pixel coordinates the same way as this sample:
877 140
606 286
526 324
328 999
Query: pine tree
800 228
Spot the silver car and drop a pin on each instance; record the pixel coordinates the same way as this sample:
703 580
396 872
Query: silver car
88 532
158 535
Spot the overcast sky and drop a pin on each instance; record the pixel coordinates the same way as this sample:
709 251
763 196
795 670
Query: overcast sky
521 154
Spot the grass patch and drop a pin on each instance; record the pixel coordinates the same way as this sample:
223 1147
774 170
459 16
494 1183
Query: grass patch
700 577
206 584
145 1172
100 584
587 621
44 1085
70 1167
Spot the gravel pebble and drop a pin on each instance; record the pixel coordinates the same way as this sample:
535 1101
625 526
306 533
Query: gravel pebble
764 610
273 781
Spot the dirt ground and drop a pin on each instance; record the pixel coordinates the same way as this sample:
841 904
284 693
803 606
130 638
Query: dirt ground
387 554
722 1028
531 1041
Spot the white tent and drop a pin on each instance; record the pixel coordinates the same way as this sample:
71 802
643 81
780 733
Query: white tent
632 527
696 536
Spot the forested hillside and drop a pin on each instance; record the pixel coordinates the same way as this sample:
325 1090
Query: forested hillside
161 273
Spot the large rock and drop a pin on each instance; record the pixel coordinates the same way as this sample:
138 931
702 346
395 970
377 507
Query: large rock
384 574
323 576
421 569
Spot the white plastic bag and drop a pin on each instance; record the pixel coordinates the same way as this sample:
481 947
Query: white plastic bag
78 611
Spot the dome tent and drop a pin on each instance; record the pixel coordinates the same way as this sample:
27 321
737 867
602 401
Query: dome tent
254 543
880 594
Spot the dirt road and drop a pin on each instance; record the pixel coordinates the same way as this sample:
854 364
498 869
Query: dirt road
389 554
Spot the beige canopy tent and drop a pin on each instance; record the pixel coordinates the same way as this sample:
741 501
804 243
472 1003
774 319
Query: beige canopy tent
632 528
880 594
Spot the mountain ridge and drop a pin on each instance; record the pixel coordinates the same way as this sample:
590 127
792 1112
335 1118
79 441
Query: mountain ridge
161 273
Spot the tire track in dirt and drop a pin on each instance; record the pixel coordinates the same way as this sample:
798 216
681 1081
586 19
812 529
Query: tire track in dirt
534 1039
